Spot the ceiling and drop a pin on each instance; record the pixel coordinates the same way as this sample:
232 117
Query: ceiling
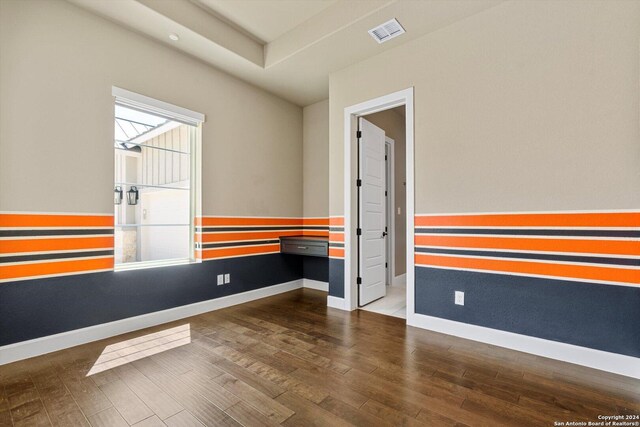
266 20
287 47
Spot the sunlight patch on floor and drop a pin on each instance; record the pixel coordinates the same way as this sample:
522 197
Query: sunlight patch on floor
124 352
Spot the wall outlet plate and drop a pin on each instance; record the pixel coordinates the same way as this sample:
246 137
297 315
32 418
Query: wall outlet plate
220 279
459 298
227 278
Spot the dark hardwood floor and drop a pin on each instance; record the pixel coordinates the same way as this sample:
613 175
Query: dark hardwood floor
290 360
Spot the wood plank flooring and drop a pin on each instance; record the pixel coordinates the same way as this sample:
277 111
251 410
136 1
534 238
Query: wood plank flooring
289 360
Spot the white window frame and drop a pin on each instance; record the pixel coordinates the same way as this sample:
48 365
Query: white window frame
183 115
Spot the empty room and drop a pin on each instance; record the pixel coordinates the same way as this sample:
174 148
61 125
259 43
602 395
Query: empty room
319 213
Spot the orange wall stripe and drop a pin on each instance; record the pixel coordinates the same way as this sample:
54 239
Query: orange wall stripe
336 237
315 233
61 244
336 221
612 247
606 219
55 220
247 250
607 274
59 267
336 252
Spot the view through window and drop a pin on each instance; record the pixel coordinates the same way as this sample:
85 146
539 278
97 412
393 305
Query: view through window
152 189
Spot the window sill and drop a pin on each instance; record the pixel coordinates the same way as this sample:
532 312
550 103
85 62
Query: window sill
153 264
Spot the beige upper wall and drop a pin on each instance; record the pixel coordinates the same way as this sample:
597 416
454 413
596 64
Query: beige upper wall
528 106
315 159
57 66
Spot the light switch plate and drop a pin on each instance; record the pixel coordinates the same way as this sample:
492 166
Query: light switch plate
220 279
227 278
459 299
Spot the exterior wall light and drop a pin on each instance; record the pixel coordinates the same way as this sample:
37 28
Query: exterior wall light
117 195
132 195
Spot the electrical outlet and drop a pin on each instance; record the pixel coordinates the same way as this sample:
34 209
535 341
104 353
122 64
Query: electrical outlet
459 299
227 278
220 279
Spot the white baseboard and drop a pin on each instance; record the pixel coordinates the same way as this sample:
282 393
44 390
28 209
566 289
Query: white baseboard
35 347
400 280
335 302
315 284
597 359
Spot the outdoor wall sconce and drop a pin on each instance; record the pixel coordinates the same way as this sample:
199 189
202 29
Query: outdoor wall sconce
132 195
117 195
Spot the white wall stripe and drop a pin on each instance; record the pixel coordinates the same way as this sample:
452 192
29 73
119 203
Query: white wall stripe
55 252
530 212
538 261
55 213
70 236
55 260
241 256
269 217
75 227
270 229
586 254
238 246
529 237
525 227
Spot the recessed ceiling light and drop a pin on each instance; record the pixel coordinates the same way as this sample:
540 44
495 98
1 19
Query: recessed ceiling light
174 37
387 31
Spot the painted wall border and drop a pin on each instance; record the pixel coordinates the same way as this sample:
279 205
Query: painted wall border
38 346
597 359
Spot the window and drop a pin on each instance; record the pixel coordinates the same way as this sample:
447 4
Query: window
154 197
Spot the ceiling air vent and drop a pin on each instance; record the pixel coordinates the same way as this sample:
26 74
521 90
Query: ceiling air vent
387 31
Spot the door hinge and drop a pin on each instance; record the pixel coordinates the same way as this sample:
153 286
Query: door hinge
359 134
359 280
358 183
358 231
385 229
385 157
386 265
385 193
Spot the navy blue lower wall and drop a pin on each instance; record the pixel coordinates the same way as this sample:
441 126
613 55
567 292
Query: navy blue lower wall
36 308
315 268
336 277
603 317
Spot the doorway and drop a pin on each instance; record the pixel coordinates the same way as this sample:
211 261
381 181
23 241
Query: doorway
360 259
381 244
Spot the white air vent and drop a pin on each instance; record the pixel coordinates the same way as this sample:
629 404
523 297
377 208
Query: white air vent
387 31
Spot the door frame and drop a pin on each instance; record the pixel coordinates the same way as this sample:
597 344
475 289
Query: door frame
390 170
396 99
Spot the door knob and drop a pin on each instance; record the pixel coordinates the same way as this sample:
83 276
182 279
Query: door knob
384 233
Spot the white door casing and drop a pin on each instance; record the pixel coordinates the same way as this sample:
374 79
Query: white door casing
372 208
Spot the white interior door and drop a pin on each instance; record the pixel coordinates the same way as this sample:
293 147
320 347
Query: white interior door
372 208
